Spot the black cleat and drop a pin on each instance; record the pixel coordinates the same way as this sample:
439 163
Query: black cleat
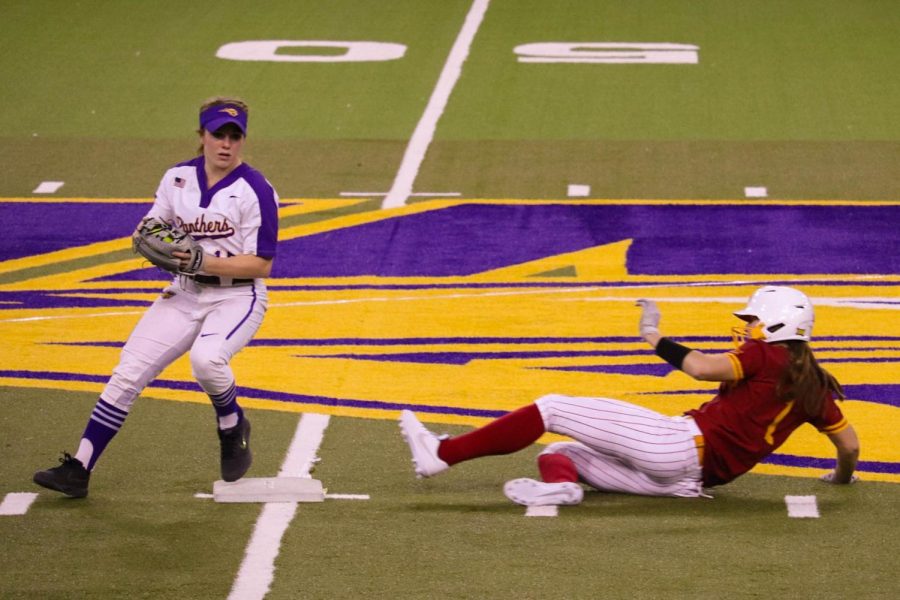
70 477
236 455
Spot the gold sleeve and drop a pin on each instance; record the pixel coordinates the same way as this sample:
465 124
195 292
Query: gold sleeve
736 365
839 426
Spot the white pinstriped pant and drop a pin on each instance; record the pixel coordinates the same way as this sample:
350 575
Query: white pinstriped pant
214 323
625 448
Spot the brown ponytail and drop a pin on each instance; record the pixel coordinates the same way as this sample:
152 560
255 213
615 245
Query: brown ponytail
805 382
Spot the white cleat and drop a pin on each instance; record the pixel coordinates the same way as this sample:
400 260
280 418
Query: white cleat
530 492
423 444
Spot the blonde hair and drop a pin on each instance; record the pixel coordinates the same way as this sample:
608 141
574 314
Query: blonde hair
220 101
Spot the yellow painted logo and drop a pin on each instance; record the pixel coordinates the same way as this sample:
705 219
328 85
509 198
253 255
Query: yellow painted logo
231 111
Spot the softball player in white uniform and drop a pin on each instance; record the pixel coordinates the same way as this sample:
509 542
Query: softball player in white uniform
231 210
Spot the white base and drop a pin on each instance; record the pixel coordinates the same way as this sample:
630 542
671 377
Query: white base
802 507
547 510
756 192
269 489
579 191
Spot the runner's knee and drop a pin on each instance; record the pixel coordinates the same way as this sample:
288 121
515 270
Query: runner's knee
564 448
548 406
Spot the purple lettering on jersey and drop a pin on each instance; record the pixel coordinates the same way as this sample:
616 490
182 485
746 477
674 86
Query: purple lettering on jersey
201 228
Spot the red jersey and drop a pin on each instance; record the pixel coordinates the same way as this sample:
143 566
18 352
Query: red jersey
745 422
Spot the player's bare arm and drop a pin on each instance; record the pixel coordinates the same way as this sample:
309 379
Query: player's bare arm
244 265
709 367
847 444
697 364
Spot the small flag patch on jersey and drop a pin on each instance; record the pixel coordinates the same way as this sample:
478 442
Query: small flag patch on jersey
179 182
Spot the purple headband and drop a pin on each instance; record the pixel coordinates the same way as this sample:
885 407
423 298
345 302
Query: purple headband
214 117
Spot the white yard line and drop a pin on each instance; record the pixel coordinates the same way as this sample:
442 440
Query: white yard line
258 568
424 132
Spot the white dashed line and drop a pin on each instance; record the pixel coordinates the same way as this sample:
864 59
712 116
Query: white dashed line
17 503
756 192
576 190
48 187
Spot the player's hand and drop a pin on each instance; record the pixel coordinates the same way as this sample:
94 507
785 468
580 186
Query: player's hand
649 317
829 478
182 257
190 262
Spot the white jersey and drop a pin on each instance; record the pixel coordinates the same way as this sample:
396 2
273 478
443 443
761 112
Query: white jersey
238 215
214 318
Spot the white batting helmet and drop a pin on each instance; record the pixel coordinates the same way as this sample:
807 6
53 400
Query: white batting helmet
785 314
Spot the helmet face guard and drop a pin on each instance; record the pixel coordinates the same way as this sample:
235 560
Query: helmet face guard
741 334
784 314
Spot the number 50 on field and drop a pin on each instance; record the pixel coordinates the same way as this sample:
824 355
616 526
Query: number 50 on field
540 52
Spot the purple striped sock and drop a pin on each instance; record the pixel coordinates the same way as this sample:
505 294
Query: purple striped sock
104 424
226 403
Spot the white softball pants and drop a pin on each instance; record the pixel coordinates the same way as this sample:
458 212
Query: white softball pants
625 448
214 323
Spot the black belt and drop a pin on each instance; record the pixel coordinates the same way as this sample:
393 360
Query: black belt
214 280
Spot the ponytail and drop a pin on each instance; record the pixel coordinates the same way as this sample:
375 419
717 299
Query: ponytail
805 382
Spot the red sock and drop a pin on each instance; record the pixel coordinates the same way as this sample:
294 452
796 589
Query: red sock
510 433
556 468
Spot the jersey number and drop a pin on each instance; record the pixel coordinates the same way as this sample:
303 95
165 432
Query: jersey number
770 430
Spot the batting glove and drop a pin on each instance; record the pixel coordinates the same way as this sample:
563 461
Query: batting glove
649 317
